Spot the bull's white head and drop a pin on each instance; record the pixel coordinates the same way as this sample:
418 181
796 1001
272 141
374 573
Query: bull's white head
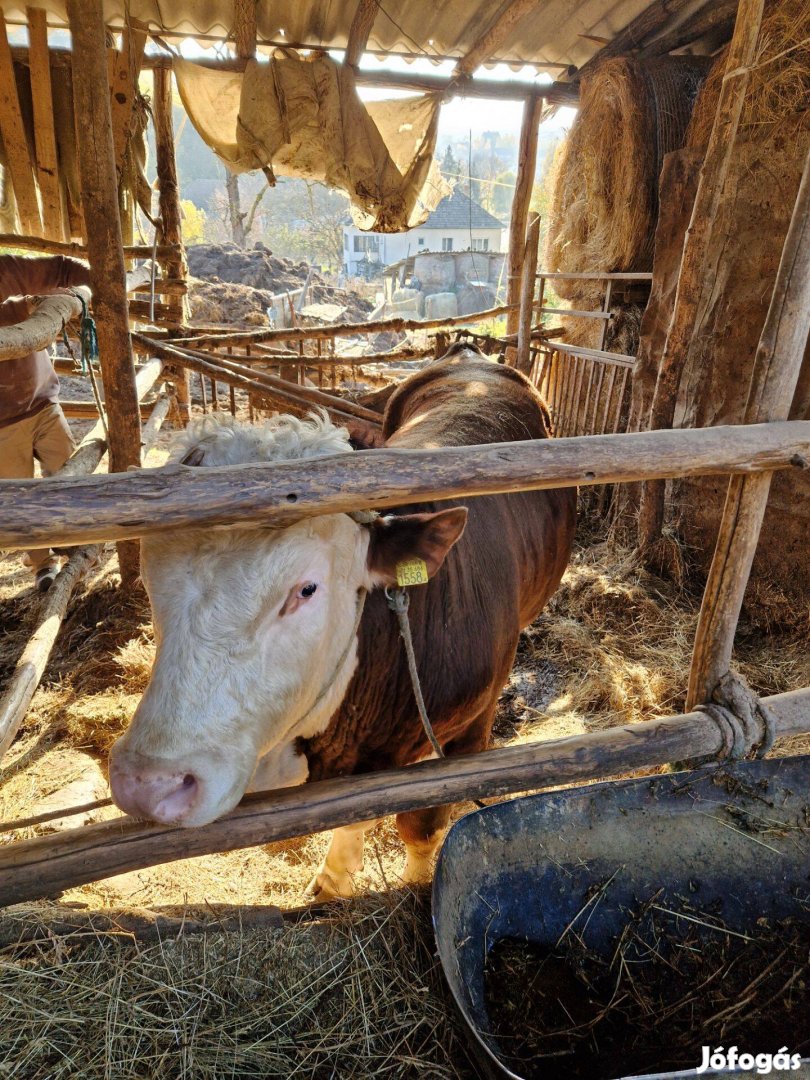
256 632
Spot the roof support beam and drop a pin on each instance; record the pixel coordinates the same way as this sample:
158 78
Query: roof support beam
527 162
359 31
244 27
492 39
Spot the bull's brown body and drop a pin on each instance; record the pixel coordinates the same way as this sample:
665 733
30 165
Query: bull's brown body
466 621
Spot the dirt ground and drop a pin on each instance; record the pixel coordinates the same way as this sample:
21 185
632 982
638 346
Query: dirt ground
612 647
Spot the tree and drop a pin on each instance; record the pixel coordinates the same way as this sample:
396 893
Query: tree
194 220
241 222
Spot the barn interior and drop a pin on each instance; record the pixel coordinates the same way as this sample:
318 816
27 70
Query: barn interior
669 298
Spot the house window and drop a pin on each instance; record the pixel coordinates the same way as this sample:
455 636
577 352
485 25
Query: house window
421 241
479 244
447 243
346 241
366 243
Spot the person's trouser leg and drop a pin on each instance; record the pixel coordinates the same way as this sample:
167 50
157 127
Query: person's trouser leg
52 445
17 463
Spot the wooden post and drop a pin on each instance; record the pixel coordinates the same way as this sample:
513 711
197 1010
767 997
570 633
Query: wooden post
174 265
15 143
99 182
44 132
776 372
527 162
702 251
523 360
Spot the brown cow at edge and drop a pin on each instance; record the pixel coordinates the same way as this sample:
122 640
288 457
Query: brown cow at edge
266 619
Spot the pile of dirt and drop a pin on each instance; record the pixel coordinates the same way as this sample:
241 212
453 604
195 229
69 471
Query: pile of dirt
256 274
217 302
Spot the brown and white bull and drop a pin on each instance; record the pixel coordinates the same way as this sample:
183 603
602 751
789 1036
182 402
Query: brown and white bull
263 677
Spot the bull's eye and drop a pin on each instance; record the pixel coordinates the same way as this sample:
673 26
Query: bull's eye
308 590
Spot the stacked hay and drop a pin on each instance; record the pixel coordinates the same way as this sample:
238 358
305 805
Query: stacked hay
751 224
605 197
779 84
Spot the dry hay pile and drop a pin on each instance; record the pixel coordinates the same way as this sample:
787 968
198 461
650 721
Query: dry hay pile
604 204
779 84
358 993
605 201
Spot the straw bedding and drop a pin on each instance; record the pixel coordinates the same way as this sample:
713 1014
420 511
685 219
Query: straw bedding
359 994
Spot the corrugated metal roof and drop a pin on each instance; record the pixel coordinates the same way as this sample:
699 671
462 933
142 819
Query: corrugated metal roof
555 33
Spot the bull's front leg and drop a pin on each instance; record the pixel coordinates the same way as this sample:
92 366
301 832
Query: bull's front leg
335 875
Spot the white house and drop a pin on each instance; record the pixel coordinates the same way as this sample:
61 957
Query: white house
457 224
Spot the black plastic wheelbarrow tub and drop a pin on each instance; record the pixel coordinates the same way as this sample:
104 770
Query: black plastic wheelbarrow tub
736 839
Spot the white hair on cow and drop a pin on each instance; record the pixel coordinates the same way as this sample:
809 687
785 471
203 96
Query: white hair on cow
222 440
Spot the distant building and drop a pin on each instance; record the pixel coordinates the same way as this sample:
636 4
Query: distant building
457 224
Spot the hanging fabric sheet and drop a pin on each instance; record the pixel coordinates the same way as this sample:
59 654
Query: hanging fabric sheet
303 117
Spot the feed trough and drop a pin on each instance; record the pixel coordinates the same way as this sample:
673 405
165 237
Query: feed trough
615 930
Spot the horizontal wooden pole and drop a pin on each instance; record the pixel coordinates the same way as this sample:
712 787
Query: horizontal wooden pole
43 325
260 382
593 275
142 502
77 250
47 865
572 313
87 410
283 388
311 333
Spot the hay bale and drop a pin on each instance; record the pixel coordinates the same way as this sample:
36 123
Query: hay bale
605 200
779 84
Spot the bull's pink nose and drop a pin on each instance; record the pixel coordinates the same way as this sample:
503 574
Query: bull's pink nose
160 796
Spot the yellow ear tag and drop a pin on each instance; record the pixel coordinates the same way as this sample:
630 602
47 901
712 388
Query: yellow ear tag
412 572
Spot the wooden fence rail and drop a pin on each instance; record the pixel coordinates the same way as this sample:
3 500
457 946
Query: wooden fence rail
49 864
146 501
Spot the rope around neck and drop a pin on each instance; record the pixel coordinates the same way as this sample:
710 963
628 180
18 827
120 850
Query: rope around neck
399 602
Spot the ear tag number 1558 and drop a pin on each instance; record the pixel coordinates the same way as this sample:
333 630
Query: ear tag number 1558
412 572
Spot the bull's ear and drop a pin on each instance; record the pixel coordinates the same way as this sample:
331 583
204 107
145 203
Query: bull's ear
396 540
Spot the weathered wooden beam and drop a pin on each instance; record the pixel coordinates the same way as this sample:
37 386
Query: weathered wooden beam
44 131
777 366
702 251
244 27
174 266
76 250
124 71
638 32
21 686
15 142
523 359
43 326
47 865
99 181
313 333
362 23
45 323
147 501
557 93
88 410
282 388
527 163
494 36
